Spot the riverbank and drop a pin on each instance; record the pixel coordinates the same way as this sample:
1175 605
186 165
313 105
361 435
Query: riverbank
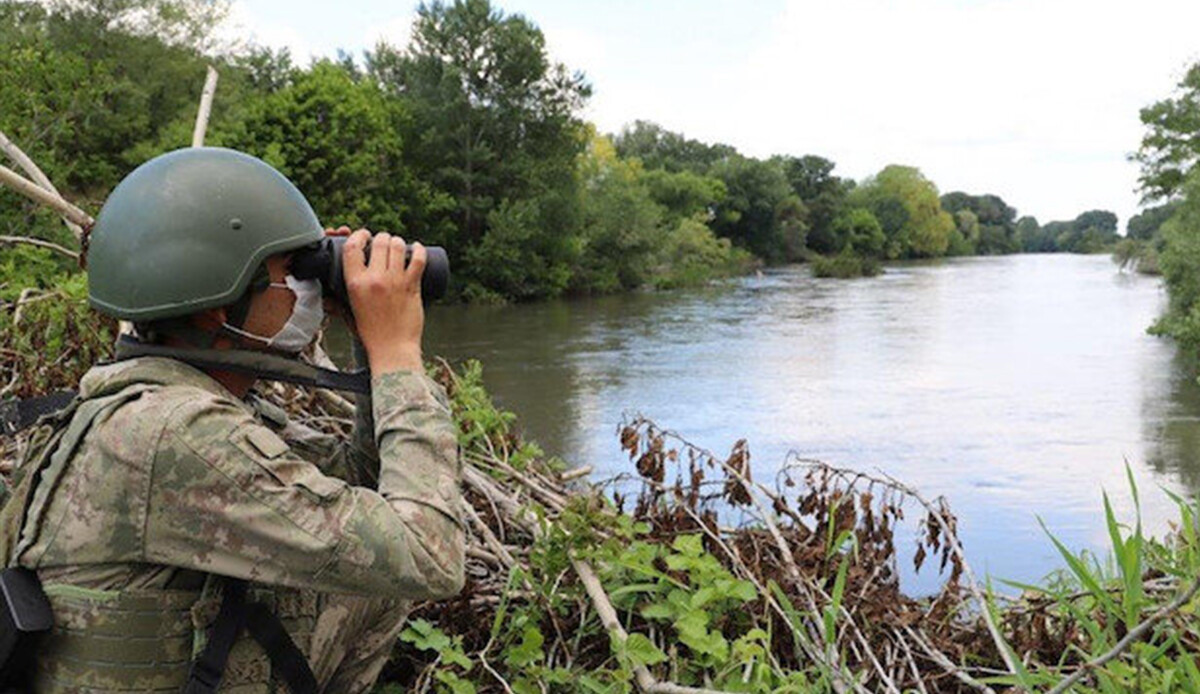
589 587
690 574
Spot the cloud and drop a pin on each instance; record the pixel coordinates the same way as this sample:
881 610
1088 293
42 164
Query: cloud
243 24
395 32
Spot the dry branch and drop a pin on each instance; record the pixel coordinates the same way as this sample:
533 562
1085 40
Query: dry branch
1135 634
41 243
45 197
206 99
22 160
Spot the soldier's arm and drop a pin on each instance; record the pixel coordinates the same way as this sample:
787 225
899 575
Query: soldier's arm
229 497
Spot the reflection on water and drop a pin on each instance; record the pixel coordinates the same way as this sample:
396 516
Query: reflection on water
1016 386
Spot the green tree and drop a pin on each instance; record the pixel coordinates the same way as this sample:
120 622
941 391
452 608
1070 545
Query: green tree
1179 262
1170 149
684 193
1145 225
994 230
823 194
494 127
620 225
759 212
339 141
659 148
906 205
860 232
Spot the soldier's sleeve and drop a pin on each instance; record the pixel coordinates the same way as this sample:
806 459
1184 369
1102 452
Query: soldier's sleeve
230 497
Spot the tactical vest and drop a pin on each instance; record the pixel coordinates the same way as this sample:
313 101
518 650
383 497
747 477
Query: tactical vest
129 640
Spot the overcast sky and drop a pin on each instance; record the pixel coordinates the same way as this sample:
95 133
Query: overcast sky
1034 100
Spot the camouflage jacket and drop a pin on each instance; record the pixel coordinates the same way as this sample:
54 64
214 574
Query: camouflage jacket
186 480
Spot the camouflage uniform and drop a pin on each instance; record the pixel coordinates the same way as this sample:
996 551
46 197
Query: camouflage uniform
180 482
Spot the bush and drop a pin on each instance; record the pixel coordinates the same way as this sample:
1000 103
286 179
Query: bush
845 266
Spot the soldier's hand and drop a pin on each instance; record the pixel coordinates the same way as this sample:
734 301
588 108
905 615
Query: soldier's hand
385 295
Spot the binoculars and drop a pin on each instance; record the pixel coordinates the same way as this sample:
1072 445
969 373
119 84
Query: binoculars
323 261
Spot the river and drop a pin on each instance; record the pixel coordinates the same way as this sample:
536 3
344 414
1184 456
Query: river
1018 387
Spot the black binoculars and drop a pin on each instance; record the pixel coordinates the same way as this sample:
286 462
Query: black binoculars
323 261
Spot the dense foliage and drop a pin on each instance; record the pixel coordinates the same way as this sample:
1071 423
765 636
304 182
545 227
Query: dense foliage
1165 238
469 137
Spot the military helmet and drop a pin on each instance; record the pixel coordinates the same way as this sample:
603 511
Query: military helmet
187 230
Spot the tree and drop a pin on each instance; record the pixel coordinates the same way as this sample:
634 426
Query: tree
1032 237
493 123
659 148
620 224
1170 149
906 205
339 141
860 232
823 194
1145 225
757 213
994 227
684 193
1179 262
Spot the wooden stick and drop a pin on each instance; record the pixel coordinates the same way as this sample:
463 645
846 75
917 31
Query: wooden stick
14 152
206 99
41 243
1134 634
40 195
575 474
608 617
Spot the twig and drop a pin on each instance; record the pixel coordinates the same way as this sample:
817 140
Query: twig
41 243
972 582
206 99
1134 634
575 474
40 195
608 617
946 664
22 160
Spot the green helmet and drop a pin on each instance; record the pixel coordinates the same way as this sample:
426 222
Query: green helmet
187 230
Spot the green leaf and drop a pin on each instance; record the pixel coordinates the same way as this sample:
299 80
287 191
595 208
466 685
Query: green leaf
529 651
642 651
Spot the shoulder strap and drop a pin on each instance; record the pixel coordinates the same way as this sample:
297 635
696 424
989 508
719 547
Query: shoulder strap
264 626
208 668
43 478
286 659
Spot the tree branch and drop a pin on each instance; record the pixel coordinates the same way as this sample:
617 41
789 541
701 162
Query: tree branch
14 152
1134 634
41 243
45 197
206 99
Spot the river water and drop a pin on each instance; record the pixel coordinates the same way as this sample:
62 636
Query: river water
1017 386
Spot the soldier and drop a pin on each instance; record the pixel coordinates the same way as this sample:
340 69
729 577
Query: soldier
168 483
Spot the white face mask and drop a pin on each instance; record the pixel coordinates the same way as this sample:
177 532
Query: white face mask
302 326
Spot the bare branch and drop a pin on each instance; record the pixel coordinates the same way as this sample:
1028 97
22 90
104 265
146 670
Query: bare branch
42 196
41 243
1134 635
14 152
206 99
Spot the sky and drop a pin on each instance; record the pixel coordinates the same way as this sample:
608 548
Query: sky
1033 100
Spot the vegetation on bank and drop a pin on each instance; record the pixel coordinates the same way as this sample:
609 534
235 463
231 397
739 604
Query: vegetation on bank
482 151
1165 238
646 583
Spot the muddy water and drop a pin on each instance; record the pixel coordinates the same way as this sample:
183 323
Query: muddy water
1018 387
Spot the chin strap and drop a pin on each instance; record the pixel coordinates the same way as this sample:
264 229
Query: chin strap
264 365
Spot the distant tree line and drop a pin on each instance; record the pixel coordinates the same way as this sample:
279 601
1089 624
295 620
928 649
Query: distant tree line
469 137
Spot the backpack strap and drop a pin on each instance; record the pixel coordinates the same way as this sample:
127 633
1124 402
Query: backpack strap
264 626
40 481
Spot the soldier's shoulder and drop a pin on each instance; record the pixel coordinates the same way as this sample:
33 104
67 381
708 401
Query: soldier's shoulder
170 393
